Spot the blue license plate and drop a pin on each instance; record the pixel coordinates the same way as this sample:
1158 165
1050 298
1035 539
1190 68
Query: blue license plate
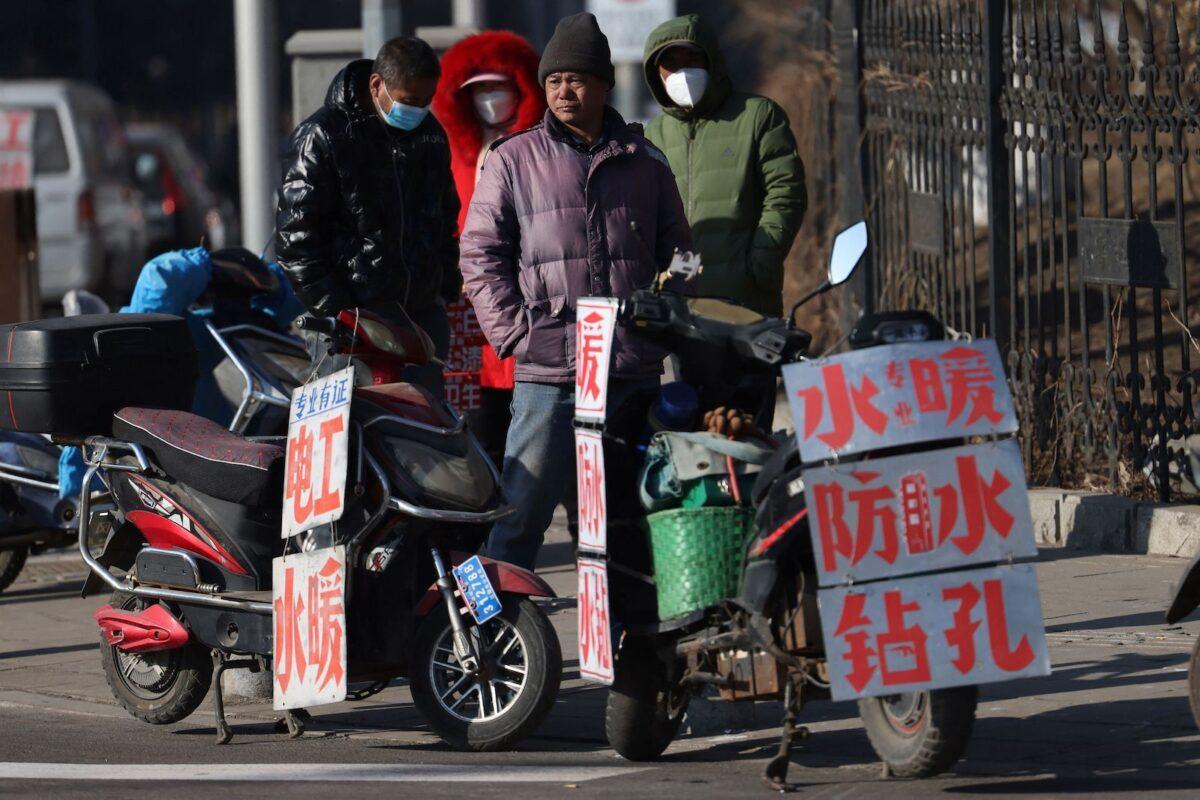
477 590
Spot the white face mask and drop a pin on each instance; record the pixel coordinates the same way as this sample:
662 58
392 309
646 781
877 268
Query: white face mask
495 107
686 86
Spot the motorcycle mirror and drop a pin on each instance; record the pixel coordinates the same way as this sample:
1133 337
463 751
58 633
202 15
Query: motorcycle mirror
848 249
847 252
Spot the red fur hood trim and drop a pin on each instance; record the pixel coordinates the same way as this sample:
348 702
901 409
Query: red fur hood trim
490 51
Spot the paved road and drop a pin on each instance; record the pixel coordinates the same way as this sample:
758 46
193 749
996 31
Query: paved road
1112 720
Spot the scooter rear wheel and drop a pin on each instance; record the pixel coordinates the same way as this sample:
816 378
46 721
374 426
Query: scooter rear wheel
643 714
920 734
505 702
11 562
159 687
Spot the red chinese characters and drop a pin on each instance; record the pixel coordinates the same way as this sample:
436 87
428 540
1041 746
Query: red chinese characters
899 653
290 660
961 637
906 393
310 628
949 629
589 358
589 470
918 512
307 497
595 643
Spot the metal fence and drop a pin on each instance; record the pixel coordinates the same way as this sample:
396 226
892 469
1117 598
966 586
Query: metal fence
1027 173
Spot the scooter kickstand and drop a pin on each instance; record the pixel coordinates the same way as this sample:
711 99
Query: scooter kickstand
221 663
224 733
297 720
776 772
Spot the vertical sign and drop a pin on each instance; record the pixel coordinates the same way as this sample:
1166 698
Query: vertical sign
589 475
318 440
310 628
16 148
596 319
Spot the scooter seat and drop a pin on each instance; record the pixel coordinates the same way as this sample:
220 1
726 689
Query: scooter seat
200 453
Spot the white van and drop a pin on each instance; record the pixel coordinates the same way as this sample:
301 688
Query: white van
91 232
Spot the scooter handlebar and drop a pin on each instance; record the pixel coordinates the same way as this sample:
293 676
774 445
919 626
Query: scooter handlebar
326 325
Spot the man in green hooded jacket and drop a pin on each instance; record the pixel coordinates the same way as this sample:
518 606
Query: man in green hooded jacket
735 161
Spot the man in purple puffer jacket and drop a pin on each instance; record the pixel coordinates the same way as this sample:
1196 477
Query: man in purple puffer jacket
550 222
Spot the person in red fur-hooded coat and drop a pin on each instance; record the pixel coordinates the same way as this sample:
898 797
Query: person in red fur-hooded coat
488 89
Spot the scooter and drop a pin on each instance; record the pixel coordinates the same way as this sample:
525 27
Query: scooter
764 641
1185 600
260 366
199 511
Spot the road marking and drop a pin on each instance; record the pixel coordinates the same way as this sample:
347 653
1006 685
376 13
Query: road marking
386 773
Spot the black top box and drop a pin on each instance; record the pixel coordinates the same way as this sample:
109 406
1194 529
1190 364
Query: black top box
69 375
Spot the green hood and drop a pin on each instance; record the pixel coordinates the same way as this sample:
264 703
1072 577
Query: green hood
689 28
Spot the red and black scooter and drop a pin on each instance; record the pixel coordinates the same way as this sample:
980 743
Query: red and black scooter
197 523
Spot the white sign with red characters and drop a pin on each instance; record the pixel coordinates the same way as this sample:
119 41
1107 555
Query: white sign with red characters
314 491
310 628
595 321
935 631
595 626
589 473
16 148
898 395
923 512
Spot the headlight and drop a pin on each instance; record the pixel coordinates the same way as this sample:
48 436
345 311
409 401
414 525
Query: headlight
902 331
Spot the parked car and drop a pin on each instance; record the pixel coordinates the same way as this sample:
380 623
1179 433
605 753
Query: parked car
180 207
91 232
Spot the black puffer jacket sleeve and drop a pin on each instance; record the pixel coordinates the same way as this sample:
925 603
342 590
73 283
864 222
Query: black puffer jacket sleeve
304 222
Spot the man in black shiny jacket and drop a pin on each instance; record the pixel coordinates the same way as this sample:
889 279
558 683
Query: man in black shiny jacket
367 207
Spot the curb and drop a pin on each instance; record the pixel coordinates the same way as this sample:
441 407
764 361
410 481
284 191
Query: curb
1107 523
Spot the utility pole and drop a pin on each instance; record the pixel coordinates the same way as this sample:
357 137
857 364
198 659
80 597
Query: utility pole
258 115
381 20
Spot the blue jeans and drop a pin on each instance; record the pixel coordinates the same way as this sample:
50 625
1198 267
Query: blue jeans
539 463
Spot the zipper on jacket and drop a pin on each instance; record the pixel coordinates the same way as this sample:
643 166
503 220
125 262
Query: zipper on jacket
691 209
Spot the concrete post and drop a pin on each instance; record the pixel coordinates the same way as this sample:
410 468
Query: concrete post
467 14
381 20
258 115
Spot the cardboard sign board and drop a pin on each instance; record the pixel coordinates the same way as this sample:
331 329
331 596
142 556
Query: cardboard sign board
933 632
898 395
595 624
308 591
593 508
595 321
318 441
16 148
936 510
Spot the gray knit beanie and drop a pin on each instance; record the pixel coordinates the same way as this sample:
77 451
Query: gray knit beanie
578 45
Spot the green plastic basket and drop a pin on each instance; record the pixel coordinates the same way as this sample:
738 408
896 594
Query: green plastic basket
697 556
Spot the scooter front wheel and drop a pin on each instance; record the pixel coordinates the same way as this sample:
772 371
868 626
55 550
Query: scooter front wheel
643 712
495 705
159 687
920 734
